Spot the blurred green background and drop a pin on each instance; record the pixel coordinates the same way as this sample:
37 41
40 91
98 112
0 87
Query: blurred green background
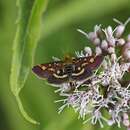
58 37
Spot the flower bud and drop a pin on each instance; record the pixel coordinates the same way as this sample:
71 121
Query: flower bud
104 44
126 121
127 45
126 51
125 116
92 36
120 42
128 38
111 41
109 31
121 27
105 82
104 64
113 57
126 54
97 28
110 122
96 41
128 128
98 50
111 50
119 30
88 51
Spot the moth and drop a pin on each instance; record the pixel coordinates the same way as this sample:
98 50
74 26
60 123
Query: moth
71 70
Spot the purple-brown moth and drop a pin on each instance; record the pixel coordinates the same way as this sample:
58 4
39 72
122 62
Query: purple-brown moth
69 70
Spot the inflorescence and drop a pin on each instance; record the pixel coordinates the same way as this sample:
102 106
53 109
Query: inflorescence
107 91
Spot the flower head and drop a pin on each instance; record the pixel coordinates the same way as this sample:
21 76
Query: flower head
107 90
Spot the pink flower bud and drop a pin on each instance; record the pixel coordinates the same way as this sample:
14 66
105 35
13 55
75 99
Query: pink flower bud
127 45
120 42
111 50
126 54
113 57
97 28
119 30
104 44
110 122
109 31
126 121
98 50
88 51
96 41
125 116
121 27
104 64
128 128
111 41
126 51
92 36
128 38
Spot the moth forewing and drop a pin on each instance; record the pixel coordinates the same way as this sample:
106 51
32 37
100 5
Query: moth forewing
38 71
50 72
85 67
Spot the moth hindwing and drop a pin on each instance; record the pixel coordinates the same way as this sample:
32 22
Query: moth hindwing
76 69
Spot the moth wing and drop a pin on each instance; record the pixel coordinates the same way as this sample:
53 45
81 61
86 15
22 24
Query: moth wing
38 71
56 81
86 67
48 72
96 62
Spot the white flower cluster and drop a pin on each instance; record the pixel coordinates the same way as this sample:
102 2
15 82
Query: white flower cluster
107 91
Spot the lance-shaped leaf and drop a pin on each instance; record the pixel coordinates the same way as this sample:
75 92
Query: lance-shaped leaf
25 42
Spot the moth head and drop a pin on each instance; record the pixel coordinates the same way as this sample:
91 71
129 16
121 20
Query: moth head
68 59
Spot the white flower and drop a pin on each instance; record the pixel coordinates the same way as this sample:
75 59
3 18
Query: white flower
107 88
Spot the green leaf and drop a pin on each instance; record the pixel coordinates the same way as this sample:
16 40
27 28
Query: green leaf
25 42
